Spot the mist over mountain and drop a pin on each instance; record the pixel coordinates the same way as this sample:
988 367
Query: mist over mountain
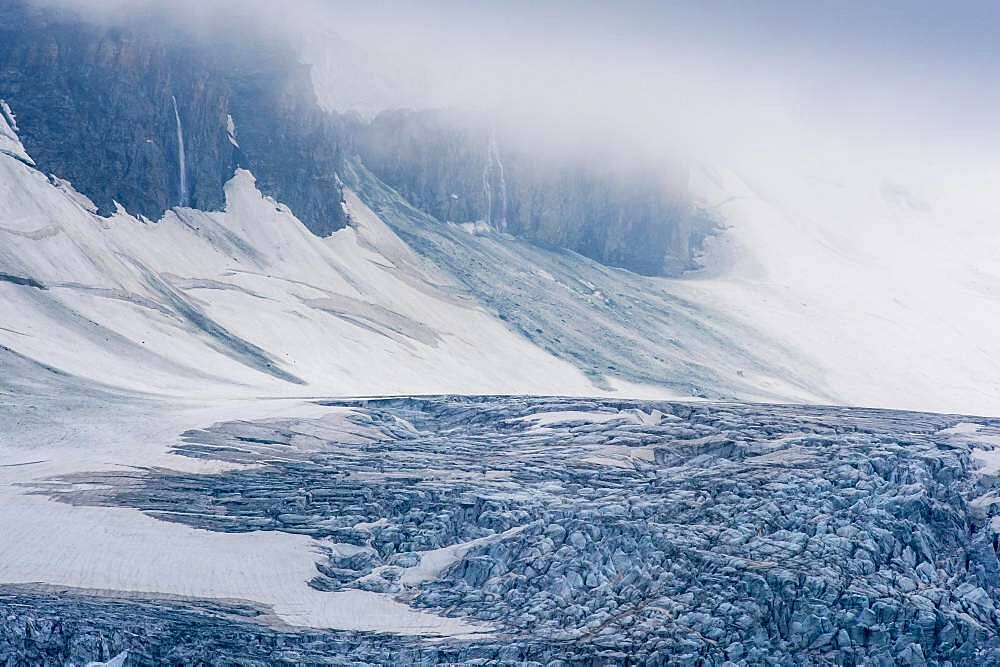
499 333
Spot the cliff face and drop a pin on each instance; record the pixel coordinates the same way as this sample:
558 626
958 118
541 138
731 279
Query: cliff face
110 109
624 214
153 120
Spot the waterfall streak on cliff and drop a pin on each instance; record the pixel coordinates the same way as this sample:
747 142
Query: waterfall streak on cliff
488 194
181 158
495 158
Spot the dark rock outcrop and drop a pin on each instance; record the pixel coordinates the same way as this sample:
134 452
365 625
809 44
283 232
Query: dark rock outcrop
631 213
96 106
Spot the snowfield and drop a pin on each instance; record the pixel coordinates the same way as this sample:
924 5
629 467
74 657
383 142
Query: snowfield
245 302
864 304
891 290
122 551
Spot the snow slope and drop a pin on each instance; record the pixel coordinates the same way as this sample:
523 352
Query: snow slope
118 335
245 302
855 290
887 280
9 141
609 322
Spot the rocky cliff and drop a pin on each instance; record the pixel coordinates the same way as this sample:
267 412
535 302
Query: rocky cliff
157 118
625 213
152 120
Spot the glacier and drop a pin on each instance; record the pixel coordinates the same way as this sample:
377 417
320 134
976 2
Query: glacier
500 530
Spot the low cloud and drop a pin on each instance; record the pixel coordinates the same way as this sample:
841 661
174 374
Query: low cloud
898 92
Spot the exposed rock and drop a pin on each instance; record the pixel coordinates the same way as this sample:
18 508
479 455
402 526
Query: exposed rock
95 106
456 168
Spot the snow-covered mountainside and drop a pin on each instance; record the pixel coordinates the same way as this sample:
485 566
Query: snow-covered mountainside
243 302
449 266
249 302
497 530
